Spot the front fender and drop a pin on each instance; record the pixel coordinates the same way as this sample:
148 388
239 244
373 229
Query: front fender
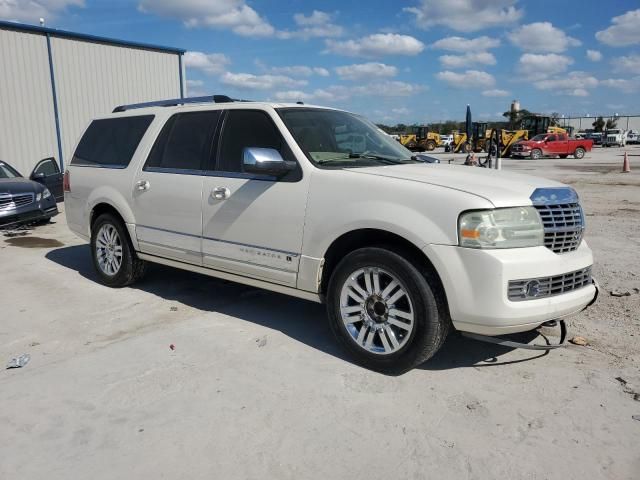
421 213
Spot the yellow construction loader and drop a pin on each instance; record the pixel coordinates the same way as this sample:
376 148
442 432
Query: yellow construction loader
419 139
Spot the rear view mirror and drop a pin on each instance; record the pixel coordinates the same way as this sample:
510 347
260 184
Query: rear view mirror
266 161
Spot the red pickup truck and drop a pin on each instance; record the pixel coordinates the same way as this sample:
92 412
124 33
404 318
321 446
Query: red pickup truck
551 145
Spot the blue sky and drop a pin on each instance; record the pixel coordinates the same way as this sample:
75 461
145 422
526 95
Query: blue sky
393 61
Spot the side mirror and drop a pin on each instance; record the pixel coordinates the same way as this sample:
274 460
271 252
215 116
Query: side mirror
38 177
266 161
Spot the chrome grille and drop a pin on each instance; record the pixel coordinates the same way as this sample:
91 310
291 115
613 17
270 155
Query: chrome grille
535 288
563 226
11 202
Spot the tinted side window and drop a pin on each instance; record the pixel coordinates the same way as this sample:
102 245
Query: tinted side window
185 141
47 166
111 142
248 128
551 138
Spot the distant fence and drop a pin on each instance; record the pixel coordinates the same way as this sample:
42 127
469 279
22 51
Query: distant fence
627 122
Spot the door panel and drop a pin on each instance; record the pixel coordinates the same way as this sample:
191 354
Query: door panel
48 173
167 192
168 217
256 228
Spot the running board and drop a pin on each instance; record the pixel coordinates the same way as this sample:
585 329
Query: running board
252 282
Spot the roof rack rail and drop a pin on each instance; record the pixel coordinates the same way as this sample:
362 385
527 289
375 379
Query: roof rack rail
178 101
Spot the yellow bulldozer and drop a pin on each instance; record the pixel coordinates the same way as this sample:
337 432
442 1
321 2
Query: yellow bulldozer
419 139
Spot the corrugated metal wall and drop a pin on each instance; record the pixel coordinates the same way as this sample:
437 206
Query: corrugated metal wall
93 78
90 79
27 125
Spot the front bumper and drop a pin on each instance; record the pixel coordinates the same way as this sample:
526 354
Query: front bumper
525 153
32 213
476 284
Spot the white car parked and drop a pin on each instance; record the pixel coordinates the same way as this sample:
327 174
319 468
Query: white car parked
317 203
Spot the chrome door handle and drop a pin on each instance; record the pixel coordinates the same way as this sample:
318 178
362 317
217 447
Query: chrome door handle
143 185
220 193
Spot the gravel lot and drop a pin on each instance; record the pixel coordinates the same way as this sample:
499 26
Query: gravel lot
256 387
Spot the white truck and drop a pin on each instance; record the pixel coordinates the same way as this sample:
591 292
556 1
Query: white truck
615 137
275 196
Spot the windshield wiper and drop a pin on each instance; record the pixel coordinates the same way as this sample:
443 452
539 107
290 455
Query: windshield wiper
371 156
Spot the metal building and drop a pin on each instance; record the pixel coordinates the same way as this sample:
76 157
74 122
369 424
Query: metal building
53 82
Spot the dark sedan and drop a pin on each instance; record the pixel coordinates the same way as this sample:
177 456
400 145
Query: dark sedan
23 200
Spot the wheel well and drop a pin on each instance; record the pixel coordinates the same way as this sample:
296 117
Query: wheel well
370 237
101 208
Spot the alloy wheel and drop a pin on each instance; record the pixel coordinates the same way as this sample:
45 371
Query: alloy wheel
377 311
109 249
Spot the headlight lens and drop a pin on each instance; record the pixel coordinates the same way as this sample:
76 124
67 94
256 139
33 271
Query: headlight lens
501 228
46 193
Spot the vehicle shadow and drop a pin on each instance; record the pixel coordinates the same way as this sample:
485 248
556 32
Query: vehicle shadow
299 319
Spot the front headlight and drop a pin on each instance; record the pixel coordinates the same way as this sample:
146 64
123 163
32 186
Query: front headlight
501 228
46 193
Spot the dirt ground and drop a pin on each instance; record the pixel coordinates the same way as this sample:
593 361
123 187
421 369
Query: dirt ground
256 388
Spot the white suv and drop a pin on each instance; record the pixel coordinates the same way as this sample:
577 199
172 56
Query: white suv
317 203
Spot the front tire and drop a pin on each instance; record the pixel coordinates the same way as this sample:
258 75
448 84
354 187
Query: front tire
430 145
384 312
536 154
114 258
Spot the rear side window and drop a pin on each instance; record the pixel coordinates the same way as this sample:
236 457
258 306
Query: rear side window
185 141
111 142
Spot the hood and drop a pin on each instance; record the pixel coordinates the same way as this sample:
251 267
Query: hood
503 189
19 185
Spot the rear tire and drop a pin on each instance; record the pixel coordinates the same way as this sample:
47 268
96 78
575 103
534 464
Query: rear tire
385 327
579 153
114 258
430 145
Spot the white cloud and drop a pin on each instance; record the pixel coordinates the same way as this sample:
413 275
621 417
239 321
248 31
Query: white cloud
594 55
250 81
366 70
234 15
31 11
575 84
294 70
210 63
469 79
630 64
468 59
318 24
496 93
538 66
377 45
195 88
401 111
460 44
623 31
542 37
465 15
627 85
389 88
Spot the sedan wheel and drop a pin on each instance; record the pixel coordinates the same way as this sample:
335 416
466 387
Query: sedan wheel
109 250
376 310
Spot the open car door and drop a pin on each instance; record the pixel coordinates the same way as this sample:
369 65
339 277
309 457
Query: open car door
48 173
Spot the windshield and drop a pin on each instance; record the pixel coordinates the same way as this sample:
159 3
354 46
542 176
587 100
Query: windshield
335 139
8 172
539 138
